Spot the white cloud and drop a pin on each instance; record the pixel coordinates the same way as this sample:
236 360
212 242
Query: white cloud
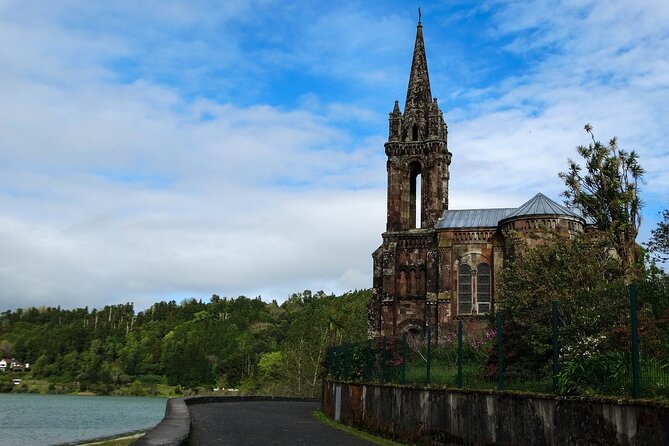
119 197
115 192
118 188
597 62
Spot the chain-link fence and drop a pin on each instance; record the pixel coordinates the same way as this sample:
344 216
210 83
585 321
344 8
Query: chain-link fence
495 354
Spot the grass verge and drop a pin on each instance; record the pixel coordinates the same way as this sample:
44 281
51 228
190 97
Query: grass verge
320 416
123 440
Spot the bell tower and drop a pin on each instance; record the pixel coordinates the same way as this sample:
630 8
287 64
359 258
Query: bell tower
406 264
417 151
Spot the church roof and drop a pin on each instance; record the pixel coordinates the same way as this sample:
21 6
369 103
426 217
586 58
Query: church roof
472 218
541 205
490 218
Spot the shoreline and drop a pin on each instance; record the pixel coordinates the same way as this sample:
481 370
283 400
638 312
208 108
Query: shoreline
102 440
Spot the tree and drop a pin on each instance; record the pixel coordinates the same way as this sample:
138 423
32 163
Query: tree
582 275
659 238
608 193
6 348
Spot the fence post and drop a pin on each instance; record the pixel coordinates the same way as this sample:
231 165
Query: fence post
458 378
429 356
330 361
556 348
500 351
384 368
335 362
347 369
404 358
368 363
634 322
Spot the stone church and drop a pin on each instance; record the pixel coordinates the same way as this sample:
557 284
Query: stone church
438 264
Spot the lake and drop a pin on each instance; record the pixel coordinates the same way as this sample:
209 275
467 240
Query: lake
30 419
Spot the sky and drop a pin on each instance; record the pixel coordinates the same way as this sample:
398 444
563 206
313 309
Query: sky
162 150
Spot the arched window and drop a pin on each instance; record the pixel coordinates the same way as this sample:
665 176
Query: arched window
474 289
464 289
415 195
414 133
418 218
483 285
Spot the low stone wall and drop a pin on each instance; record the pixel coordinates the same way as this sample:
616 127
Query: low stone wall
444 417
174 428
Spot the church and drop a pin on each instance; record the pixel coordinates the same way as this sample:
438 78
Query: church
438 264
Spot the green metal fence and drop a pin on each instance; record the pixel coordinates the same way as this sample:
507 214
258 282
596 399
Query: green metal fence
650 342
480 354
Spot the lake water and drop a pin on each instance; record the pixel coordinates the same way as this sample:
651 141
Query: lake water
31 420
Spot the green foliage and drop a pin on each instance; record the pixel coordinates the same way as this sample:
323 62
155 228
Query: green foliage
659 238
608 192
586 280
240 342
599 372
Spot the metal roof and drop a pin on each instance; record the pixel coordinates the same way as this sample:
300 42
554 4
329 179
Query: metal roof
541 205
472 218
588 219
490 218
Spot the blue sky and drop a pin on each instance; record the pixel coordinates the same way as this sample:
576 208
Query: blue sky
167 149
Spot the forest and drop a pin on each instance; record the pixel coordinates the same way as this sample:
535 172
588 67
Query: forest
227 343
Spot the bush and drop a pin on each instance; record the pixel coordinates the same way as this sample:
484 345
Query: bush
596 373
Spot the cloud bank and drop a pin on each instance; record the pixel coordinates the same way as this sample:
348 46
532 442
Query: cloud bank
172 150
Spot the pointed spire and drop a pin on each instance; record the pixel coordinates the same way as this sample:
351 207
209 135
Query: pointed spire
418 93
396 108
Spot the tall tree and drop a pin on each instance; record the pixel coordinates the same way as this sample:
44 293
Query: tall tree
608 192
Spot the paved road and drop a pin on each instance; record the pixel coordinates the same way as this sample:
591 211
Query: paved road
250 423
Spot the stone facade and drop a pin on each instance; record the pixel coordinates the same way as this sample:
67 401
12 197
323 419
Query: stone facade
437 264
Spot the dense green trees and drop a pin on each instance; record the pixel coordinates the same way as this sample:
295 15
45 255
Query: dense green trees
226 342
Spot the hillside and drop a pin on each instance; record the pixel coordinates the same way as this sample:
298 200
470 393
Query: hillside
224 343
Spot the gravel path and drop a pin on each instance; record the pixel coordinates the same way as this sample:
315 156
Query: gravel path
264 423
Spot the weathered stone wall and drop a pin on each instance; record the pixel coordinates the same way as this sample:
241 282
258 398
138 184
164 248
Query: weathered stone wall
443 417
406 269
471 246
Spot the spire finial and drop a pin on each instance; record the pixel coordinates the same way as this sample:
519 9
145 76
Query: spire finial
418 93
419 15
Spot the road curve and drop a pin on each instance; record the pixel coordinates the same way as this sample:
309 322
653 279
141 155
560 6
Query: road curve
250 423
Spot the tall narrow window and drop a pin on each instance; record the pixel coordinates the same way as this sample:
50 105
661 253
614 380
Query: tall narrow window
414 133
414 196
419 201
483 288
464 289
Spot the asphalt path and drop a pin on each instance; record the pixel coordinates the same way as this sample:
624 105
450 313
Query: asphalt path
248 423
